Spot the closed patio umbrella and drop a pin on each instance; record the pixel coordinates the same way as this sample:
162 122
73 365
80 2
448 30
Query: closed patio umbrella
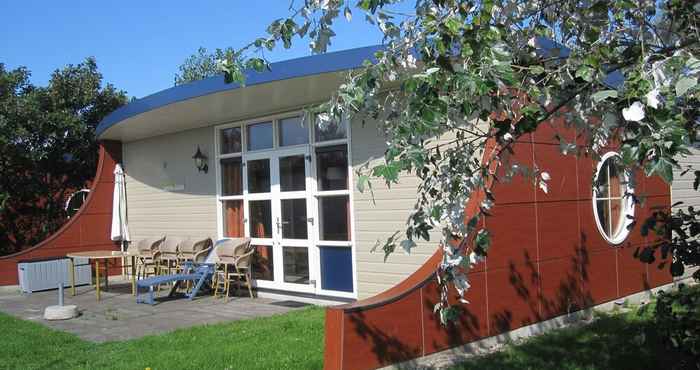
120 226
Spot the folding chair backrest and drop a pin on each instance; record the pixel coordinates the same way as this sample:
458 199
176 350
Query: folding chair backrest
244 260
242 248
202 244
170 245
149 244
231 247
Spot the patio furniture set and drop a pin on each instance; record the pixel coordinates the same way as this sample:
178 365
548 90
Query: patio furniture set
189 263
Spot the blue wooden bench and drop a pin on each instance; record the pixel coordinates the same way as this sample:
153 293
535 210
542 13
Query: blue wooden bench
201 273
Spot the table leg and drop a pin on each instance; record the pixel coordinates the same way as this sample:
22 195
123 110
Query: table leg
97 279
106 262
133 275
72 276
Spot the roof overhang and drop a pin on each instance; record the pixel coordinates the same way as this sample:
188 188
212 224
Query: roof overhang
288 85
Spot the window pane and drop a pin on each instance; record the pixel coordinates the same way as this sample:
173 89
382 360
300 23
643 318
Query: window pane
336 268
294 219
260 218
616 186
231 179
293 132
231 140
334 218
259 176
615 216
293 173
332 167
324 131
604 215
296 265
233 219
260 136
602 183
263 265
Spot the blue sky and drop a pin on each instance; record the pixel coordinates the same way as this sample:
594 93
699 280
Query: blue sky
140 44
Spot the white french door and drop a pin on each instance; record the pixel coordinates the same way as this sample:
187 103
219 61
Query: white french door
279 219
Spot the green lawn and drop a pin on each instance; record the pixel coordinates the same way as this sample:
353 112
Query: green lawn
613 341
295 341
289 341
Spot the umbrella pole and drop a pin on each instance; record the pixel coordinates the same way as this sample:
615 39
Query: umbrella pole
123 260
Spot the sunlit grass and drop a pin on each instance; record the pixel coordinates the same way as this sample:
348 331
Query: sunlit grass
289 341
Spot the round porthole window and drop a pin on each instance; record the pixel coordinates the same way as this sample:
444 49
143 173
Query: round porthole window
612 207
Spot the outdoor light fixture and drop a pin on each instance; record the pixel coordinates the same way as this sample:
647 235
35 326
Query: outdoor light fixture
200 160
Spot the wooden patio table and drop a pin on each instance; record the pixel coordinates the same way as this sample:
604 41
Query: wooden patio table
97 256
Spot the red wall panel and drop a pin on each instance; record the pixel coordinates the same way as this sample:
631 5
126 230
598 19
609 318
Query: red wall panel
547 259
88 229
471 322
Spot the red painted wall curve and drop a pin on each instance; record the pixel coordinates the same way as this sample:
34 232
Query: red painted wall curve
88 229
547 259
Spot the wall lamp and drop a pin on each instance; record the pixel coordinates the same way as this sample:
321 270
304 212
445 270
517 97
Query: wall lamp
200 161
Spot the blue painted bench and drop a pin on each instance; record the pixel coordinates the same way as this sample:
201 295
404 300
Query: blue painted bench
201 273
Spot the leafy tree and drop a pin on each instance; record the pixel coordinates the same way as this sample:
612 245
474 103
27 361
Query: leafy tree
486 72
202 65
47 138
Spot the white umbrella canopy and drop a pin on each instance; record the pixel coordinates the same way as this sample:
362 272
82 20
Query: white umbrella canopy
120 225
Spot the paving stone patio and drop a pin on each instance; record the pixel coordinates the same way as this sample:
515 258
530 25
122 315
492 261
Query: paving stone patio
117 316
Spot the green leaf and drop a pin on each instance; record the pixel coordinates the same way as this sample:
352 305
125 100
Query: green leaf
664 168
536 70
483 240
599 96
362 181
257 64
685 84
453 25
585 72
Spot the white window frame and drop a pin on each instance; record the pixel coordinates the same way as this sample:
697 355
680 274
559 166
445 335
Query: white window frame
314 243
628 206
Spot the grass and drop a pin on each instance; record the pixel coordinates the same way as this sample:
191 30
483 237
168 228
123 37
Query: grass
295 341
613 341
290 341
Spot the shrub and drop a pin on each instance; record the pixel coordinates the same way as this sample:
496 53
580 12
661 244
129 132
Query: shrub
678 318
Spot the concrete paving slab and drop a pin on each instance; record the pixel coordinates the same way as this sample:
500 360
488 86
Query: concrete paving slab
117 316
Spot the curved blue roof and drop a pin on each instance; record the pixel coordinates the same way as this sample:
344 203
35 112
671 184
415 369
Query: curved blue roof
293 68
288 69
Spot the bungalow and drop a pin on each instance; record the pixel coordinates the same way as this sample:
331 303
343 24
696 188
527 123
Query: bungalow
266 173
270 176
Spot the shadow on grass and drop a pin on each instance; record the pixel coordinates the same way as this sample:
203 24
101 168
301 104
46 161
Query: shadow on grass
613 341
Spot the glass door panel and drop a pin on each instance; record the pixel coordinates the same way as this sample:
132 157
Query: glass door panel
293 223
260 218
259 176
233 218
263 263
293 173
296 265
278 197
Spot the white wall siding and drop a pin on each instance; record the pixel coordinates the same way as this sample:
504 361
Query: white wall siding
682 189
379 220
166 195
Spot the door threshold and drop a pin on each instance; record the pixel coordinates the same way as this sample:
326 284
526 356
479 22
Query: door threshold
315 299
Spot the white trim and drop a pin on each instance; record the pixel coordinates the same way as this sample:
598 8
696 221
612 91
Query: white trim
332 193
627 204
276 196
